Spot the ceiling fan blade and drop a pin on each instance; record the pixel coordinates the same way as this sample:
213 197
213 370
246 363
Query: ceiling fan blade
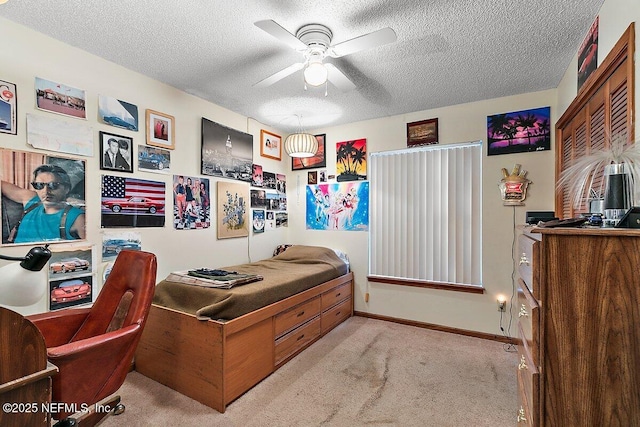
279 75
338 79
273 28
367 41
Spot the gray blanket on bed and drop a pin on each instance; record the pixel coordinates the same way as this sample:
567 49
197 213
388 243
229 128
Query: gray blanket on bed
297 269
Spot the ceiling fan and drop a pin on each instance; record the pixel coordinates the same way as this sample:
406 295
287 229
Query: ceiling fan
314 42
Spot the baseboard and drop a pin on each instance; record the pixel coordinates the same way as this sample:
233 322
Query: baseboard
475 334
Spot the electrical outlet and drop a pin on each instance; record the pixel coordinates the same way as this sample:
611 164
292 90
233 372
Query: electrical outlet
502 305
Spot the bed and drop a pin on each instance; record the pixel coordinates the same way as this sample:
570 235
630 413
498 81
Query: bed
214 344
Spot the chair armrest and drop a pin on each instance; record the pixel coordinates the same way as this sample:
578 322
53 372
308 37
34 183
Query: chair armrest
58 327
108 342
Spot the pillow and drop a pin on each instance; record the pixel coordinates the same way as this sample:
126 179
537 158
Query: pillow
280 248
343 256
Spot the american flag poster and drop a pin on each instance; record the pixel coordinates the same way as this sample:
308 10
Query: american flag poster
131 202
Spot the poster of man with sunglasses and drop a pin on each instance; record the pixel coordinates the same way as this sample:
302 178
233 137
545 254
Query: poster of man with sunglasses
42 198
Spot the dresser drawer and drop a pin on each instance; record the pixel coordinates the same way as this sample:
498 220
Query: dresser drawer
523 416
528 262
529 320
335 315
528 382
335 295
297 315
295 340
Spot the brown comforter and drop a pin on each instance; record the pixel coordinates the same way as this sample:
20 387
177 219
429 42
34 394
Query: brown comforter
297 269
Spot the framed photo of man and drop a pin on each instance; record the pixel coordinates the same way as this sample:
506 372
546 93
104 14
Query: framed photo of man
43 198
116 152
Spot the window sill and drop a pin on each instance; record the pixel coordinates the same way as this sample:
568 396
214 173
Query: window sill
456 287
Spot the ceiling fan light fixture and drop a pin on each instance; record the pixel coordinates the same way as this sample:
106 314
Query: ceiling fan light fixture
315 74
301 144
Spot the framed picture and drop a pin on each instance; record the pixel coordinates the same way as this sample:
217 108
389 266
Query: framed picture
519 131
132 202
424 132
8 108
270 145
351 160
161 130
61 99
317 161
226 152
117 113
232 212
312 177
116 152
588 54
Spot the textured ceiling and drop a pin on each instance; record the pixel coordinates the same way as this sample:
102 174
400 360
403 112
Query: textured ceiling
448 52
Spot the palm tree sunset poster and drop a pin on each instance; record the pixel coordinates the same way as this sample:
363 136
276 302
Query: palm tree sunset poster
351 160
519 131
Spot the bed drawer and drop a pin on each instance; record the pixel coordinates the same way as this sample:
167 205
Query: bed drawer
297 315
335 295
335 315
297 339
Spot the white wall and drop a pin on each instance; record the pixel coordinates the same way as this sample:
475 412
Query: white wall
460 123
27 54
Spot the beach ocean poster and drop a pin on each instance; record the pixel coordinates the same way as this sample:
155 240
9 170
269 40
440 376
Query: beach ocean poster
519 131
338 206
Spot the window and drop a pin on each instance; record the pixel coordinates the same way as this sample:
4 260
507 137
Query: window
425 227
603 108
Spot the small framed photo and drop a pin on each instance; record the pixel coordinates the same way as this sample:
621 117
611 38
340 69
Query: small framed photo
270 145
312 177
161 130
116 152
8 108
424 132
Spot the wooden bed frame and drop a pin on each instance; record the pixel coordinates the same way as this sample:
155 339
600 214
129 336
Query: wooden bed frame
215 362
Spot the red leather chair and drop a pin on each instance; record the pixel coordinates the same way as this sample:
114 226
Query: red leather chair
93 348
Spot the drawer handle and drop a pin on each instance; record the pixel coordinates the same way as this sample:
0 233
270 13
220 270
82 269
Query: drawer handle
300 337
523 363
523 259
521 417
523 311
338 313
338 294
301 313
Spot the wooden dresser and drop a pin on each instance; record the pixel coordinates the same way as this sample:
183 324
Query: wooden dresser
579 322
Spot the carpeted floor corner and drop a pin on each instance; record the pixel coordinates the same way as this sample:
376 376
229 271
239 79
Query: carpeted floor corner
364 372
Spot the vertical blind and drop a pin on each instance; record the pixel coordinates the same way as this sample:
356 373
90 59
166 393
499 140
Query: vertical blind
426 214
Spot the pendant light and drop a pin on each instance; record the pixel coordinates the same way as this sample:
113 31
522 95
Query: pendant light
301 143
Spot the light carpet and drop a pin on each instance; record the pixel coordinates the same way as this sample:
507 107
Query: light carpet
364 372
